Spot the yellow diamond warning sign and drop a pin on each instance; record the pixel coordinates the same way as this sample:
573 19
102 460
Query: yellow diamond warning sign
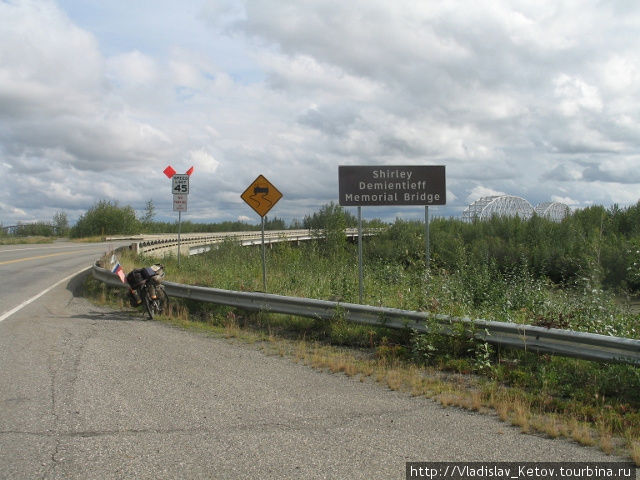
261 195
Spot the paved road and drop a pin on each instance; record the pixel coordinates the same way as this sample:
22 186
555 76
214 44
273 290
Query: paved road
26 270
86 393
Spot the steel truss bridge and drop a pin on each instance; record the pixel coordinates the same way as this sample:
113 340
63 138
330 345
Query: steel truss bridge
512 206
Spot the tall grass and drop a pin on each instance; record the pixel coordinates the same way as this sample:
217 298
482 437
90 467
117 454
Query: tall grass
477 291
13 240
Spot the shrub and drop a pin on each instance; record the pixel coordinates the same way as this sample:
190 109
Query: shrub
106 218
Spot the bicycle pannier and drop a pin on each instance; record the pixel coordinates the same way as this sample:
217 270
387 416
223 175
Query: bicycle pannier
135 278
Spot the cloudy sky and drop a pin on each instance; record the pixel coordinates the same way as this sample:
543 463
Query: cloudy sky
534 98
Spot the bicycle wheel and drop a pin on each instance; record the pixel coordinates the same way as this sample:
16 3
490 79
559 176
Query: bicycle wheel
148 303
162 302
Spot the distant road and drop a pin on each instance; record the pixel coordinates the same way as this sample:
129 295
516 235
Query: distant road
26 270
91 393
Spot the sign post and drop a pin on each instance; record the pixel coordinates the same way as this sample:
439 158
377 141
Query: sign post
360 274
180 191
261 195
426 237
179 205
380 185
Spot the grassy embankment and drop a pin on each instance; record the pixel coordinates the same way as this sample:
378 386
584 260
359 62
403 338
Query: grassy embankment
13 240
93 239
591 403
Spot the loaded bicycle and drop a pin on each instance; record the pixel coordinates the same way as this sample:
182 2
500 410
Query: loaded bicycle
146 289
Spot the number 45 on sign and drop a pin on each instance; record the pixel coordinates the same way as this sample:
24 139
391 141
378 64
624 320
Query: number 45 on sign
180 184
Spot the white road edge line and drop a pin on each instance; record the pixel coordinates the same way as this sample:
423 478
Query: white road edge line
47 246
33 299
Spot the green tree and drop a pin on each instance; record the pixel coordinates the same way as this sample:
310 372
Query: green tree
149 214
296 224
330 223
274 223
106 218
61 224
327 214
401 243
37 229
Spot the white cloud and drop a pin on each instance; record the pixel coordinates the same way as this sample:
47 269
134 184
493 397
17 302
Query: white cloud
480 192
133 69
565 172
48 66
537 99
11 212
575 94
204 160
621 73
621 170
566 200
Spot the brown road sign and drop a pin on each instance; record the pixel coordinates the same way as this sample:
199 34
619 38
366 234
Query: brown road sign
392 185
261 195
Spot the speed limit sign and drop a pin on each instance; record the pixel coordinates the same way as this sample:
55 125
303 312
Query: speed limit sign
180 184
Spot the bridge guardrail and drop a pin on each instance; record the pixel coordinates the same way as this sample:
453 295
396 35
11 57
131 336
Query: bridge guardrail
169 243
588 346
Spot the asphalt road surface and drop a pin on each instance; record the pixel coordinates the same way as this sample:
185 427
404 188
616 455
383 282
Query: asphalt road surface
27 270
91 393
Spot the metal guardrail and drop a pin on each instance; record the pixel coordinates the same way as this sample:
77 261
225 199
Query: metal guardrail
588 346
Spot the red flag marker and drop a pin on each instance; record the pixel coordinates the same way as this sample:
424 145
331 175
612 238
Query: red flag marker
120 272
190 171
169 171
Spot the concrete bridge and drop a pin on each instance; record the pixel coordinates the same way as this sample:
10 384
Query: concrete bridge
195 243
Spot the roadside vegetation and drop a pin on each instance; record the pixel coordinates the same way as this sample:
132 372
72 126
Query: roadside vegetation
579 274
13 240
109 218
38 232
